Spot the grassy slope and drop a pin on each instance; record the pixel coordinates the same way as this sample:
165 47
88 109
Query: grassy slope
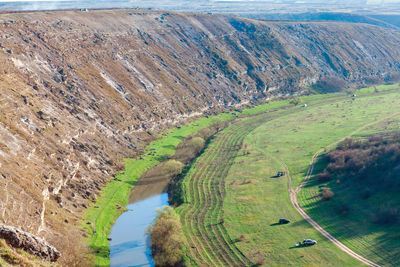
103 214
251 209
380 243
17 257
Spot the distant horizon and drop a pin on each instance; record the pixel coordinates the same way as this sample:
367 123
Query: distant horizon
237 7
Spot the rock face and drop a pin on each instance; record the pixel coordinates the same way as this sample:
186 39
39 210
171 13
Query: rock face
79 91
33 244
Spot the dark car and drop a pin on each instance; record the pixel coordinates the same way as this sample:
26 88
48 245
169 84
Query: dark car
284 221
279 174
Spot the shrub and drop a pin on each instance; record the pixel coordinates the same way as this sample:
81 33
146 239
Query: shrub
166 238
330 84
324 176
205 133
259 261
219 124
295 101
197 144
173 167
327 194
241 238
392 77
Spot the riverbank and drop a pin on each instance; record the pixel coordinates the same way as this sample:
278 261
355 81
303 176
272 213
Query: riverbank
111 203
101 216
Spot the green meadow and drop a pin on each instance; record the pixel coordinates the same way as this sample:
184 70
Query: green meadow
233 200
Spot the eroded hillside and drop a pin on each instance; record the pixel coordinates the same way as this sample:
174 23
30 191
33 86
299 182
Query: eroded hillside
81 90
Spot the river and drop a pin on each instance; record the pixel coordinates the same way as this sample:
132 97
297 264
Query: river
130 244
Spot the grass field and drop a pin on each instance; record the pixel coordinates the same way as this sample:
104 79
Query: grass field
232 201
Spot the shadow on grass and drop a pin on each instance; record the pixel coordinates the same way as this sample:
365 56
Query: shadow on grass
275 224
131 183
179 137
169 147
300 246
101 251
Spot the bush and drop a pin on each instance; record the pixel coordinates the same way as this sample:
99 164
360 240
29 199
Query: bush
167 239
330 84
259 261
219 124
197 144
392 77
327 194
241 238
323 177
295 101
173 167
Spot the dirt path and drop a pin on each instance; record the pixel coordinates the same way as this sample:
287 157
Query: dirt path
293 197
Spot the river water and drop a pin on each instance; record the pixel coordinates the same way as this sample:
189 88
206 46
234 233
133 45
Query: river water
130 244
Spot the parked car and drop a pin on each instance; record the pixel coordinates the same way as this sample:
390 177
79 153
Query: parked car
309 242
279 174
284 221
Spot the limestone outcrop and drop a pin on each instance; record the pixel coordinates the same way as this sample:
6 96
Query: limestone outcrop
32 244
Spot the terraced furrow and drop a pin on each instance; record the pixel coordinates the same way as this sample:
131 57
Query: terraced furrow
202 175
211 220
202 216
204 253
194 234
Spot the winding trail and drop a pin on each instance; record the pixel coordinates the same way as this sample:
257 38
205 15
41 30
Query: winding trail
294 192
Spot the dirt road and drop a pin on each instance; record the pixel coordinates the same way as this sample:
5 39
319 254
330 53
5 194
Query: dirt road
293 199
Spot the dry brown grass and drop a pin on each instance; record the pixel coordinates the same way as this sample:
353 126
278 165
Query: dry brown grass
75 252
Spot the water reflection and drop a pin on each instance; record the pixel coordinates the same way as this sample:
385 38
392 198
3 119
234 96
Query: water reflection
130 244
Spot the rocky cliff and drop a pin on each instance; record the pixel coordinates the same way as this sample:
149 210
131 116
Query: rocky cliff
28 242
81 90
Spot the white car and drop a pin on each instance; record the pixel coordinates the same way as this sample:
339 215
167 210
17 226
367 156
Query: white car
309 242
